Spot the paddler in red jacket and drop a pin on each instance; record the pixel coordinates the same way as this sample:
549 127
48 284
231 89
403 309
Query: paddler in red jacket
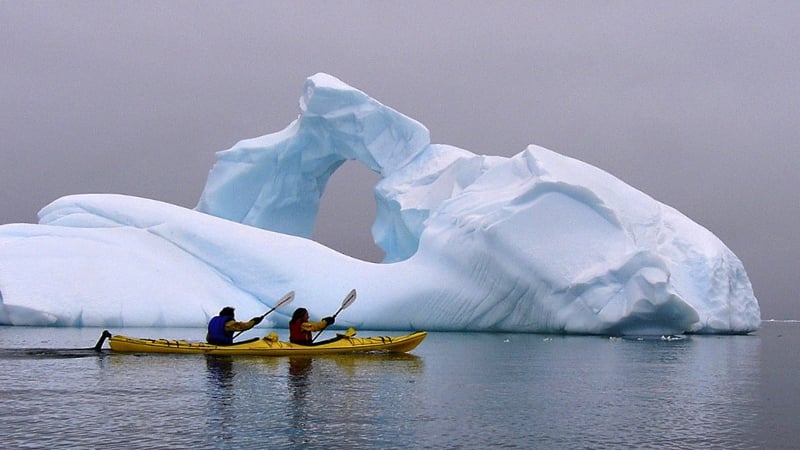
300 328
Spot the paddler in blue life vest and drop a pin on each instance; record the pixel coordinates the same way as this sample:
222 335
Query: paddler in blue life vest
300 328
222 327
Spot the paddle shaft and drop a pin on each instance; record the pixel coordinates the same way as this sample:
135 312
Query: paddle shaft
282 302
351 297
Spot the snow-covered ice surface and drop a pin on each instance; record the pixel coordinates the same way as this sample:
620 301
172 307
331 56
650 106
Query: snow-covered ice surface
538 242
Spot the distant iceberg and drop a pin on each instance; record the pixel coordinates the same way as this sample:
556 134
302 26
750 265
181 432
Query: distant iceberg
538 242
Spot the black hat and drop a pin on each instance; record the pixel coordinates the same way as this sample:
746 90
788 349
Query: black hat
227 311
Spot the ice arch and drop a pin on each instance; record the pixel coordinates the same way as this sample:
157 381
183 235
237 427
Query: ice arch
276 182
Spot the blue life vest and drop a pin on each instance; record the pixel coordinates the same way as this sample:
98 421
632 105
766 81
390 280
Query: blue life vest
216 331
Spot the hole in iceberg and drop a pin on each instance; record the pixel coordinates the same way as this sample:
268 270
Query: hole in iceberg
347 212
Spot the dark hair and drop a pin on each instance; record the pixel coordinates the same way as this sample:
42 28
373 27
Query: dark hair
299 313
226 311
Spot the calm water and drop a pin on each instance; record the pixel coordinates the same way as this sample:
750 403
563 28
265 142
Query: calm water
475 390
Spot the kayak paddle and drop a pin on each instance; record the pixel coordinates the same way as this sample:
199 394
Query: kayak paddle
285 300
351 297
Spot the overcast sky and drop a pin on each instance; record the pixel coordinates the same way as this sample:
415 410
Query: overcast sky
696 103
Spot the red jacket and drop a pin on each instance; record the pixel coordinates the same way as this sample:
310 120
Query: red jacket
300 332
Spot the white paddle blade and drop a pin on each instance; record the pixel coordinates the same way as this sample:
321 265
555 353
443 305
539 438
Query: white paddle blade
351 297
285 300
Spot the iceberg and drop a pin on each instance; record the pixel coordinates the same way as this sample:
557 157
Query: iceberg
538 242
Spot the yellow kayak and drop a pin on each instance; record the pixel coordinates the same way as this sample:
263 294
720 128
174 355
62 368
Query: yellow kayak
343 343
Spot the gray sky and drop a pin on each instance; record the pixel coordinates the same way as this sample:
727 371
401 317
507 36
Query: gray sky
696 103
